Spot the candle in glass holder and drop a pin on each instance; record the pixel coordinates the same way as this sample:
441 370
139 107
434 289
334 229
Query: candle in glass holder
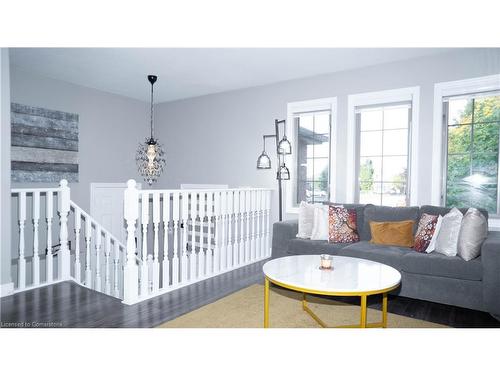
326 261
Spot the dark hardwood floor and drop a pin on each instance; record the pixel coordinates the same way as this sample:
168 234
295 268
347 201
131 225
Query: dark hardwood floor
70 305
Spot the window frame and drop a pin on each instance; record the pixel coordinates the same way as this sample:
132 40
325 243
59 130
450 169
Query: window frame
381 98
315 105
444 157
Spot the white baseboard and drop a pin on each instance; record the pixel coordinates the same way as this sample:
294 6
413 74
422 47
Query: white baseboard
6 289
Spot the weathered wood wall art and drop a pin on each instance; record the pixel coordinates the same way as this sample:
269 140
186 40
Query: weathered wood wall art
44 145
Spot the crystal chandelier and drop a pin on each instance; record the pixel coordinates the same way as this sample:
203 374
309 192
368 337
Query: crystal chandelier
150 155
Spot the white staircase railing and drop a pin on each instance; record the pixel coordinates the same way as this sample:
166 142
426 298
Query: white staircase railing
174 238
190 235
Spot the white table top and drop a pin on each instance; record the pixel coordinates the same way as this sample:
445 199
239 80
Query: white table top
349 275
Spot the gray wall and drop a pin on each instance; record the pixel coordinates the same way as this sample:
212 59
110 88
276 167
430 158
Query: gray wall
111 126
217 138
5 220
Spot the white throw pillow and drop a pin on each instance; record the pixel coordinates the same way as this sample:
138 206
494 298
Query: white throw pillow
447 240
473 232
306 219
320 226
432 244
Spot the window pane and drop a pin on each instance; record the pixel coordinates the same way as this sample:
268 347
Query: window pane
396 142
484 196
371 193
306 122
320 193
322 123
371 143
457 195
459 167
304 191
487 109
485 138
396 118
459 111
486 164
320 170
370 169
459 138
322 148
371 120
394 194
394 168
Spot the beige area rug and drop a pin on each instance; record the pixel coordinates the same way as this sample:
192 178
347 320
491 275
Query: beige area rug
245 309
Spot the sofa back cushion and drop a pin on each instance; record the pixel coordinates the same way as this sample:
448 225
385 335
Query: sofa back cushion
437 210
360 208
385 213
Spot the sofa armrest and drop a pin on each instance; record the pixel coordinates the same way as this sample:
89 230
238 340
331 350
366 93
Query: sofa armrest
490 258
283 232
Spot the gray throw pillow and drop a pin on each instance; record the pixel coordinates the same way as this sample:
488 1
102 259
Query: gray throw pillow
473 232
447 240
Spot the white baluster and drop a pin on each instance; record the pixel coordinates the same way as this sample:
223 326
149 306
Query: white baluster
262 224
229 230
144 221
217 250
175 258
116 265
156 245
63 255
98 247
36 255
201 215
253 233
49 213
209 255
166 228
184 218
236 246
223 212
78 227
258 237
268 227
192 254
22 259
88 259
248 246
130 271
107 265
242 245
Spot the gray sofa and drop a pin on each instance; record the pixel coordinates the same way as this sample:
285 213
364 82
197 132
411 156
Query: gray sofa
434 277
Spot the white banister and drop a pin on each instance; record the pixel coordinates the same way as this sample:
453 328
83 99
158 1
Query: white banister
209 257
217 250
131 271
22 259
223 211
184 220
98 247
63 209
49 213
175 258
78 226
166 228
107 264
144 253
201 233
192 221
88 260
156 245
116 265
36 255
242 228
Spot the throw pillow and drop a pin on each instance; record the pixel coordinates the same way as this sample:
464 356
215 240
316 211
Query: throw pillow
342 227
306 219
447 239
320 223
395 233
473 232
432 244
425 232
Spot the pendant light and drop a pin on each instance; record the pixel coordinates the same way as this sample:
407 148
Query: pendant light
150 155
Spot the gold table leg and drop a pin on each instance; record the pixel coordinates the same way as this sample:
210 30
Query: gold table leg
363 312
384 310
266 303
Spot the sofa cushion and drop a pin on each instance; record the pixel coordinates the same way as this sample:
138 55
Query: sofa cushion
385 213
390 255
300 246
436 264
437 210
360 209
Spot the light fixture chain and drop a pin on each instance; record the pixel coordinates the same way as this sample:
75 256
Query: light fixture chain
151 112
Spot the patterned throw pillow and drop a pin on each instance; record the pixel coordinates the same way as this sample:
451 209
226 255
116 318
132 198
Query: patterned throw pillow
425 231
342 227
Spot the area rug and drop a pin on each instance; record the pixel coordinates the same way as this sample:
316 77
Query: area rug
244 309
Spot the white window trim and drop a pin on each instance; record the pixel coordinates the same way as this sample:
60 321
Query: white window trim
374 98
451 88
324 104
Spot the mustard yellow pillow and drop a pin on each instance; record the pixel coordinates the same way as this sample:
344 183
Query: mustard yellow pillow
396 233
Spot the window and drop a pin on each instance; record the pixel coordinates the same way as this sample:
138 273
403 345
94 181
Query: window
312 134
471 150
383 159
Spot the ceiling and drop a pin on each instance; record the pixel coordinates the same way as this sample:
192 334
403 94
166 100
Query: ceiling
190 72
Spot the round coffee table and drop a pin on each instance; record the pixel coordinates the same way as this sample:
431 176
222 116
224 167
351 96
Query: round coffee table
349 277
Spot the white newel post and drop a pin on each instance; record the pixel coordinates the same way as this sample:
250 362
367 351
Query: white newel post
131 271
63 208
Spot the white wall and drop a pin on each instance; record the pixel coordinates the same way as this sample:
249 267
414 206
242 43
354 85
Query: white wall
5 221
217 138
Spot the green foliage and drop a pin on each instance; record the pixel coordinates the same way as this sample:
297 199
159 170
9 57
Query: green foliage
366 172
